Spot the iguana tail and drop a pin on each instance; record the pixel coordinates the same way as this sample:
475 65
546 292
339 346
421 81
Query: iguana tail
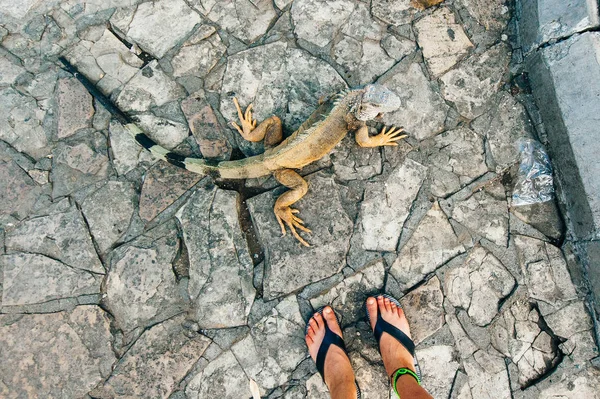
242 169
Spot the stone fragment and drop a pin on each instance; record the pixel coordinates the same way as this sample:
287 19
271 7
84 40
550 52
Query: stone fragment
163 184
9 71
443 41
156 363
220 262
108 212
351 162
422 111
208 132
198 59
80 350
397 12
431 245
460 387
165 132
545 272
158 26
460 155
492 15
23 123
246 20
221 378
438 368
316 388
148 88
479 285
75 108
569 385
392 200
570 320
370 377
62 236
424 310
503 126
487 375
318 22
126 152
78 163
485 213
476 80
18 192
30 279
544 216
288 264
41 177
261 353
141 288
348 297
463 343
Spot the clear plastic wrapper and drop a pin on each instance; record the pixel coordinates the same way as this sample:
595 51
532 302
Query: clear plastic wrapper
534 180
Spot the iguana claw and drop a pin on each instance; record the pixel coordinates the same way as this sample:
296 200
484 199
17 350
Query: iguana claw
286 215
390 137
248 124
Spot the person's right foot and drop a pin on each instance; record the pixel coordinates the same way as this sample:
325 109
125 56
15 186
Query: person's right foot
393 353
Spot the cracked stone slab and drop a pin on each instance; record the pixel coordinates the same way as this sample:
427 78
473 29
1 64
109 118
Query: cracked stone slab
198 55
62 236
156 363
438 367
544 217
566 382
160 25
247 20
30 279
443 41
79 162
75 107
141 288
473 83
126 152
223 378
370 377
348 297
457 158
431 245
80 348
424 310
163 184
166 132
397 12
318 22
277 80
289 265
488 377
393 200
148 88
422 111
18 192
220 262
503 126
108 212
479 285
9 70
261 353
351 162
492 15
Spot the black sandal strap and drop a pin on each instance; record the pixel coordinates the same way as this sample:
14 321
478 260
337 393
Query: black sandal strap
383 326
330 338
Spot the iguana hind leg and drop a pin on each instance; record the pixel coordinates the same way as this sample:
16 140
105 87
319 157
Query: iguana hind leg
269 129
284 214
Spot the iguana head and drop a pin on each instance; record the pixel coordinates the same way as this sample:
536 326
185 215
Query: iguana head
376 100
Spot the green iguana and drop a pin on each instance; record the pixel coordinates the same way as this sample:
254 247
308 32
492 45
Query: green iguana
315 138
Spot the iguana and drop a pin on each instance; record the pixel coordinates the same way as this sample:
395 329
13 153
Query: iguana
315 138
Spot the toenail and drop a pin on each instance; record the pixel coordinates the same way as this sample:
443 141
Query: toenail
371 300
328 310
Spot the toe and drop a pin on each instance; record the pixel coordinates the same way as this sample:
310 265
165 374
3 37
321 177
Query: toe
380 304
372 308
331 320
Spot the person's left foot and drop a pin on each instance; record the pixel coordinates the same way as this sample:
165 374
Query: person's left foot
339 375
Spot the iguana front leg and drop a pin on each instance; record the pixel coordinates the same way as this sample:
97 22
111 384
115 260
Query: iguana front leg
270 129
284 214
384 138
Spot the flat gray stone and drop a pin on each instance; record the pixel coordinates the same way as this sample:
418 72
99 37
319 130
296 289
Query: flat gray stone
316 388
474 82
220 262
443 41
397 12
318 22
438 367
424 310
543 216
422 111
30 279
18 192
158 26
352 162
81 350
492 15
165 132
75 108
431 245
393 200
156 363
289 265
9 71
370 377
141 288
221 378
262 355
62 236
487 375
198 59
457 158
127 153
479 285
148 88
567 382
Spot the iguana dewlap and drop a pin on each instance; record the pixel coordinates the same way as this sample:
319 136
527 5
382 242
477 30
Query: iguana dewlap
314 139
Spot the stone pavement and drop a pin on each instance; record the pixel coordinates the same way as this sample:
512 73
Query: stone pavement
127 277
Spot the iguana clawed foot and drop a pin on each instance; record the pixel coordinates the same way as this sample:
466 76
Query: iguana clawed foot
388 138
248 124
287 215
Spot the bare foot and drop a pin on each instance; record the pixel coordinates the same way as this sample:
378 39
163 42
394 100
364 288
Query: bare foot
339 375
394 354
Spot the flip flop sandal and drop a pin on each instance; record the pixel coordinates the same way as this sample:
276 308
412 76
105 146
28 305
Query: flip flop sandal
330 338
382 326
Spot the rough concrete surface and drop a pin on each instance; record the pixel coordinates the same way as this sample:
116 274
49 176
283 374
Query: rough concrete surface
122 276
